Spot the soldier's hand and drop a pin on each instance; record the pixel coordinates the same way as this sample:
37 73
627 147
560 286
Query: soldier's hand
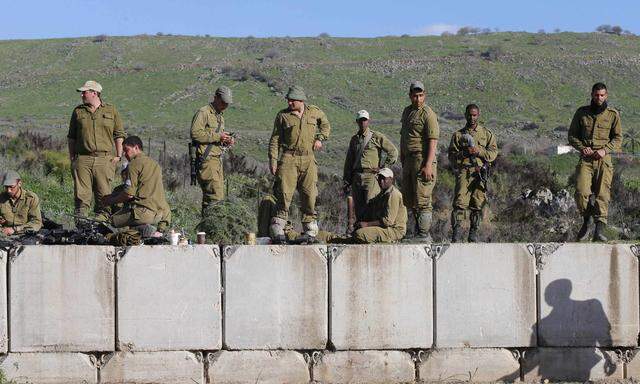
8 231
317 145
273 169
599 154
362 224
474 150
587 152
346 189
226 139
115 160
427 172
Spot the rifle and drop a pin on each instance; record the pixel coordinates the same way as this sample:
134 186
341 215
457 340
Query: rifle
481 172
192 163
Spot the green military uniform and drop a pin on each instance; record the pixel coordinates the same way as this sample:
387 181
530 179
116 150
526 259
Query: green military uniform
291 149
470 190
22 214
360 173
596 131
419 125
149 204
389 209
206 128
94 137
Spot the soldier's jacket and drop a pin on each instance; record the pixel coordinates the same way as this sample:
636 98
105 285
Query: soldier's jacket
389 208
144 183
370 159
116 207
483 138
418 126
22 214
206 128
603 130
95 133
291 133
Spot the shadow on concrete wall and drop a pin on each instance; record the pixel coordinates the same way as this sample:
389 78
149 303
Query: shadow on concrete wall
570 323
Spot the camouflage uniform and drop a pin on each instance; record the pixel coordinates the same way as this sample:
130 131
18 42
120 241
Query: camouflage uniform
21 214
388 208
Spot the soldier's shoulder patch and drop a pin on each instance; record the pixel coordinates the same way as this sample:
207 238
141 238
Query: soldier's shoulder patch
612 109
30 194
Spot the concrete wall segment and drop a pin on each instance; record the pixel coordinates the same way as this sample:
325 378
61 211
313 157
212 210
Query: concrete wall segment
173 367
469 364
364 367
49 368
571 365
265 367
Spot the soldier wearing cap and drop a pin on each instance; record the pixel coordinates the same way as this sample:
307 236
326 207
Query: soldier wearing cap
368 152
595 132
418 147
144 196
471 150
298 131
19 208
95 130
209 138
385 219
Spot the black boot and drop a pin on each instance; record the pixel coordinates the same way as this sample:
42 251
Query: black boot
456 232
598 234
476 216
584 230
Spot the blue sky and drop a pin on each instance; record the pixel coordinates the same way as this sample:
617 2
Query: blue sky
71 18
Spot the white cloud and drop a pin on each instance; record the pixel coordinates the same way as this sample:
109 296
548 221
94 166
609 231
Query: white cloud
438 29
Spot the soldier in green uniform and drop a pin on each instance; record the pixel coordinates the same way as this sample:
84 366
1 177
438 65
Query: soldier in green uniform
209 138
298 131
595 132
368 151
471 150
418 146
144 197
19 208
385 219
95 130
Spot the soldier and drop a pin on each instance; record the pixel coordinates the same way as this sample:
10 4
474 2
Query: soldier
298 131
596 132
209 137
19 208
95 128
368 151
471 151
144 196
418 147
385 219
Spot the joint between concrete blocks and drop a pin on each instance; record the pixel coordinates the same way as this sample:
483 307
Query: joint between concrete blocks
228 251
435 251
635 249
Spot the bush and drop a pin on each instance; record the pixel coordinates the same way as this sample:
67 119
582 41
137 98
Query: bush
57 164
227 221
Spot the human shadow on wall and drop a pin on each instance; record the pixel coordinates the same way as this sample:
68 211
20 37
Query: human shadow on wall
570 323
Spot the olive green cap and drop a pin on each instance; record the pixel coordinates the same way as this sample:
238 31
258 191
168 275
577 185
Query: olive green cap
296 93
10 178
224 93
90 85
416 84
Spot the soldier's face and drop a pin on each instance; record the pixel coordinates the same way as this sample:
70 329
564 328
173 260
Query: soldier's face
13 190
219 105
130 151
362 124
599 97
417 98
89 97
295 105
472 117
385 182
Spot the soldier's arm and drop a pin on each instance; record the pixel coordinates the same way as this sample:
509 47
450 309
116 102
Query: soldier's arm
454 153
324 128
71 135
34 217
575 133
118 132
391 213
615 136
430 135
391 150
274 142
199 131
490 152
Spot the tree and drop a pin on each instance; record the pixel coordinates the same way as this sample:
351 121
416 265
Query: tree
610 29
632 140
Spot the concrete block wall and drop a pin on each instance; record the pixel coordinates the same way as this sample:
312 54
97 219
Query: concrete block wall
323 314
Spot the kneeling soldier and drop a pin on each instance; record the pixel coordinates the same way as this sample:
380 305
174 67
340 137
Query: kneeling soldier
19 208
385 219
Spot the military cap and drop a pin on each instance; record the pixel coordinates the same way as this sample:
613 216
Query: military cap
91 85
10 178
362 114
224 93
386 172
416 84
296 92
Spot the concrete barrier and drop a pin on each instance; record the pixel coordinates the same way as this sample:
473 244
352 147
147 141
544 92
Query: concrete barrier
174 367
381 297
4 322
49 368
275 297
571 364
169 298
632 363
588 296
62 299
264 367
364 367
485 296
469 365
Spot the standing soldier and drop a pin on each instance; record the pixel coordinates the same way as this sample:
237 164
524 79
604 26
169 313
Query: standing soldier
595 132
94 130
368 152
208 137
418 147
19 208
298 131
471 151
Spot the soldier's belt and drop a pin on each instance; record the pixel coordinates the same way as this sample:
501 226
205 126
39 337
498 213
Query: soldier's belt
96 154
297 152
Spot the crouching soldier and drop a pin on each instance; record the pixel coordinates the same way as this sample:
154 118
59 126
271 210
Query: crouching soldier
385 219
19 208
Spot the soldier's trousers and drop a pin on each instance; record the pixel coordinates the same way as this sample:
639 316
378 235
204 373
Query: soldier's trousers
296 173
470 191
417 192
364 187
92 177
594 177
211 180
371 235
131 217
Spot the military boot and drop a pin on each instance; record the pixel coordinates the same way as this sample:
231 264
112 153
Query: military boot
584 230
276 230
457 215
476 217
310 229
423 219
598 234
